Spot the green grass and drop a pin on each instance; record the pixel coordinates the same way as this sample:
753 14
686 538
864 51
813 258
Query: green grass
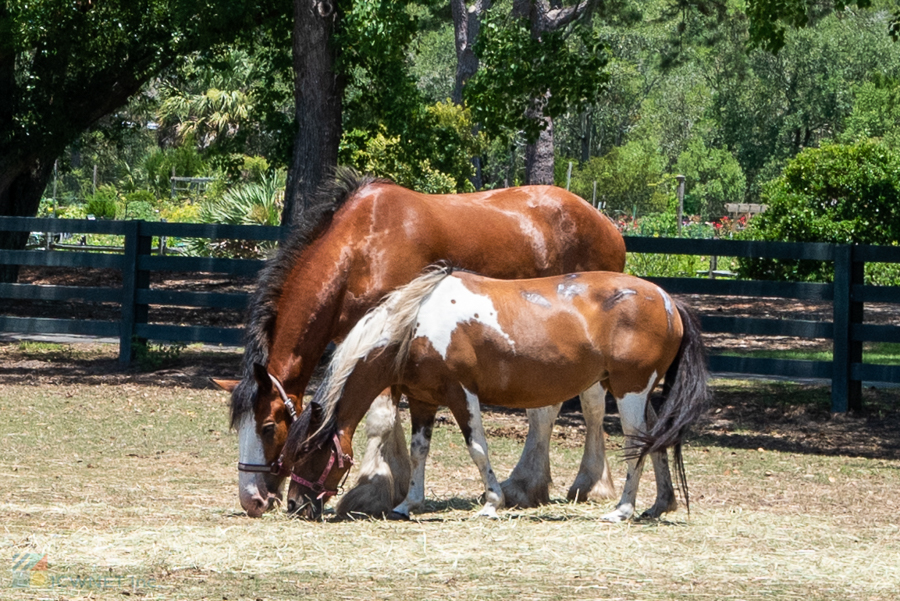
884 353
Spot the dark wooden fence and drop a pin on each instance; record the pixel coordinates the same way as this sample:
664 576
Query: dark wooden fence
848 295
135 295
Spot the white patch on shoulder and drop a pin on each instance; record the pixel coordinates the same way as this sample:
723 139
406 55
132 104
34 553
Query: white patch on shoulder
536 236
537 299
449 305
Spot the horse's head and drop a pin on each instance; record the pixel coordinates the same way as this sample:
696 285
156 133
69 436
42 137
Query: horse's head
262 413
317 463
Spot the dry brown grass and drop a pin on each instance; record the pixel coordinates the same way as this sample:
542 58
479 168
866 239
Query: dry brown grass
135 479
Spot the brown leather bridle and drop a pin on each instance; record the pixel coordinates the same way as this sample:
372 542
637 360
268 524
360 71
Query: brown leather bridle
274 468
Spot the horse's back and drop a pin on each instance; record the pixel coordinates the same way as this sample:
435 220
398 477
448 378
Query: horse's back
578 327
521 232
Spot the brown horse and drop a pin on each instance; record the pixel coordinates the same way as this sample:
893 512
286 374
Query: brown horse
364 238
461 340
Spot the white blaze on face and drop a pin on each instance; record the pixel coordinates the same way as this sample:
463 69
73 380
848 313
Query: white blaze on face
250 450
449 305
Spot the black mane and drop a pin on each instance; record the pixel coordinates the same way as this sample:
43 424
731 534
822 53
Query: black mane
263 308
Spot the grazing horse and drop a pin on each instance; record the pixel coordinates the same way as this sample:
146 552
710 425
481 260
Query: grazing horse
460 340
360 240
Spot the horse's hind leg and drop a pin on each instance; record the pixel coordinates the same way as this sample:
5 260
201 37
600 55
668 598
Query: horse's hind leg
468 416
594 481
632 411
665 492
529 483
422 417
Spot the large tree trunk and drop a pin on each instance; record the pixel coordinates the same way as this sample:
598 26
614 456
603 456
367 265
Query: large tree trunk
544 16
21 187
466 25
318 91
539 155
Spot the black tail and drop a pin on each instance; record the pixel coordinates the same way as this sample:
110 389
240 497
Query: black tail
687 397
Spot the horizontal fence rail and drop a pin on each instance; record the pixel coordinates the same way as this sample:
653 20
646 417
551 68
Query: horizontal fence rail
847 294
135 260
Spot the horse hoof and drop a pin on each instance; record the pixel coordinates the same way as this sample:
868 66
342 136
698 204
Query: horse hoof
396 516
615 517
489 513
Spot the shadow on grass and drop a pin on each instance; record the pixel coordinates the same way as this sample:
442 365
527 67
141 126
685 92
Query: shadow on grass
93 364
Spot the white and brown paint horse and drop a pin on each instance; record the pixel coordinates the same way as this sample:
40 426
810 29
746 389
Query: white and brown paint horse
460 340
362 239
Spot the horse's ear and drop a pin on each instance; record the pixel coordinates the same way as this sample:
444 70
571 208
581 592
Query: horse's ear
261 375
226 385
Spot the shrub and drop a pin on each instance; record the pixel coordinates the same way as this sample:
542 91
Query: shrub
713 177
185 159
838 193
433 155
102 204
245 204
628 178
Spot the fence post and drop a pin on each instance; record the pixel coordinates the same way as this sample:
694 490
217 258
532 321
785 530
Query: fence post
680 193
846 393
132 280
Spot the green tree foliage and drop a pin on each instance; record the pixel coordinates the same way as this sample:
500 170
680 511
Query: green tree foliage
876 112
771 20
65 65
517 69
390 130
713 177
444 127
767 108
837 193
232 103
628 178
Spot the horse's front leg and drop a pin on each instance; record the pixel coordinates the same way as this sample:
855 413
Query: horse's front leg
594 480
384 471
632 412
422 418
468 416
529 483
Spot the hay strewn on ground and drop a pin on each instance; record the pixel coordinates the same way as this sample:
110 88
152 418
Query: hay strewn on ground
129 489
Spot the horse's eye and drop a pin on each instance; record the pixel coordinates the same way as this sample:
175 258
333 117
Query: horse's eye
268 430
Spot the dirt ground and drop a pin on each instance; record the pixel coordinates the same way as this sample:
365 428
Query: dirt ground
749 414
124 482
